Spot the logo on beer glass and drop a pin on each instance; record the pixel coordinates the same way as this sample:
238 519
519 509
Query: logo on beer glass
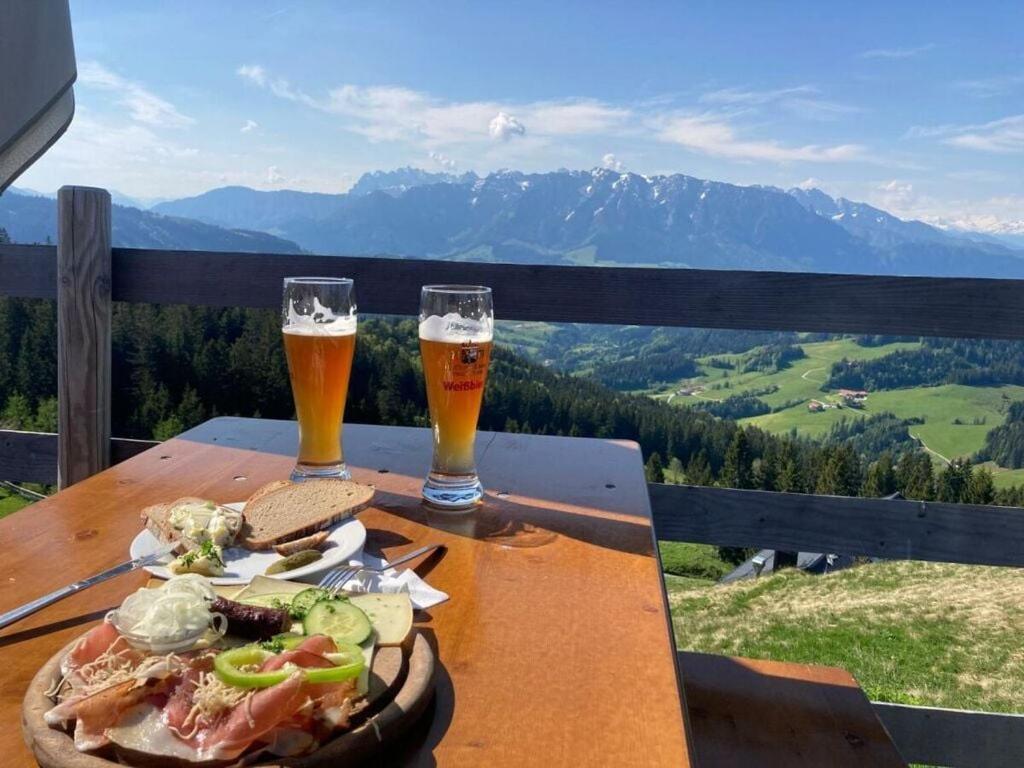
469 354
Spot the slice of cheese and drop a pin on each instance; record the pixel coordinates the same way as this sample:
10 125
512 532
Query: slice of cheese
390 615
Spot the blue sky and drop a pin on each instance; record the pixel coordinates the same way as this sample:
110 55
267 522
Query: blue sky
915 106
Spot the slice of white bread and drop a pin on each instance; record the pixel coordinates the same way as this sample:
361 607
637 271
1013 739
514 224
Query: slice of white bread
292 511
157 519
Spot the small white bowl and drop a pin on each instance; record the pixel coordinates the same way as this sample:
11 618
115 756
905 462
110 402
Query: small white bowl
145 643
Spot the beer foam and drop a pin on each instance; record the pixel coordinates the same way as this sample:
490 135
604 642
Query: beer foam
322 321
453 327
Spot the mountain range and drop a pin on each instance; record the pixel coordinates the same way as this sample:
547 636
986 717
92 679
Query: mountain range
602 217
598 217
32 218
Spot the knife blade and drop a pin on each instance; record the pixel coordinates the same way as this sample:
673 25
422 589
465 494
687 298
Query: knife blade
126 567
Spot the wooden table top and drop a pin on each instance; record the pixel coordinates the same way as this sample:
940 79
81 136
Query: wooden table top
555 646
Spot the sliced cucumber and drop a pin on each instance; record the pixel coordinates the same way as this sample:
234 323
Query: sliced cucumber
306 599
338 619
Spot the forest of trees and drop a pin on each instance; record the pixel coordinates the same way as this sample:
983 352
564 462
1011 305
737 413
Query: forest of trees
773 357
645 370
974 362
1005 444
176 366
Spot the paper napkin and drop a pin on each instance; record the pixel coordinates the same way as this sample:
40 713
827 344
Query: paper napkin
421 594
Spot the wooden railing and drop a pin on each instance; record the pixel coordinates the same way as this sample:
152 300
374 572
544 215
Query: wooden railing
84 274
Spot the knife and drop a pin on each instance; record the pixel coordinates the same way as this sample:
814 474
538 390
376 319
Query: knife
131 565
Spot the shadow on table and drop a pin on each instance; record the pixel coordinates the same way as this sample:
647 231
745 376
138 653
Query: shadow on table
508 523
418 744
57 626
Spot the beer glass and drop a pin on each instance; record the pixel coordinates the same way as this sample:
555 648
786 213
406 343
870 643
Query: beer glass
456 334
318 321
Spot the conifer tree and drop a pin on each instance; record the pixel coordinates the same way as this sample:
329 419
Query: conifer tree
737 472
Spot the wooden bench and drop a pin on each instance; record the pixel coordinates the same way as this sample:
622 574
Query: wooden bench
745 712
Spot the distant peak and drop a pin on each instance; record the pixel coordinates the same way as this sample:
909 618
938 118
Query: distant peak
400 180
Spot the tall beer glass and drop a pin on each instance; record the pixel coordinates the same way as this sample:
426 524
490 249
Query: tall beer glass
456 334
318 321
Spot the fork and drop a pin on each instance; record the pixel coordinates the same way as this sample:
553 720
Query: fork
334 580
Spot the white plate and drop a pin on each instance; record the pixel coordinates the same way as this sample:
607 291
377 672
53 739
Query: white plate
345 542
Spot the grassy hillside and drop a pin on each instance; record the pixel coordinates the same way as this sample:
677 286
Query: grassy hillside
977 409
11 502
916 633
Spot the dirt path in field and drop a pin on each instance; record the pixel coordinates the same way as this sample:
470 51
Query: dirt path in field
925 446
812 370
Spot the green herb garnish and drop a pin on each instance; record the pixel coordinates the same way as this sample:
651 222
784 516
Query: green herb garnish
208 550
274 645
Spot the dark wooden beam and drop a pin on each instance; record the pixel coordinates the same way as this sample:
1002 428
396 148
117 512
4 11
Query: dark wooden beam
954 737
31 457
83 333
28 457
28 271
700 298
925 306
900 530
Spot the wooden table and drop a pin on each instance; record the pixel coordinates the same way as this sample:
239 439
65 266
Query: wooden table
555 648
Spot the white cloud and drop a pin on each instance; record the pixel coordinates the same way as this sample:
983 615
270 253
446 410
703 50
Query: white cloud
713 135
987 87
896 53
253 72
804 101
486 128
504 126
250 125
612 163
274 175
1002 136
394 113
810 183
749 97
443 160
143 105
896 195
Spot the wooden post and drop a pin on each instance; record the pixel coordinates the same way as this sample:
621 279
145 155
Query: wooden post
83 333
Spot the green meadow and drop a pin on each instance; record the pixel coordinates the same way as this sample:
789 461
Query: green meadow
956 417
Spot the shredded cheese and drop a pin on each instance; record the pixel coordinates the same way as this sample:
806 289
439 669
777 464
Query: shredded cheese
115 665
211 698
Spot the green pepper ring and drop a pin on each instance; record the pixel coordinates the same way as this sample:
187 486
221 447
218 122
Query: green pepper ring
227 666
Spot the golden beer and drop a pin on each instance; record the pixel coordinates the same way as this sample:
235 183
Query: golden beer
455 373
319 365
456 336
318 324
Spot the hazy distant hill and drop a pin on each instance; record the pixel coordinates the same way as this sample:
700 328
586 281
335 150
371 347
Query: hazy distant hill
601 216
33 219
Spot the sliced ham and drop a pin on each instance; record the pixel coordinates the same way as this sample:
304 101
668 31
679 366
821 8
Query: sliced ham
90 647
249 722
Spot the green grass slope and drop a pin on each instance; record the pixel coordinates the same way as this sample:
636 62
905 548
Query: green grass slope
915 633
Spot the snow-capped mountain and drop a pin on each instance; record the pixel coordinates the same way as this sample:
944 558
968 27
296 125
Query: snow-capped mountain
601 217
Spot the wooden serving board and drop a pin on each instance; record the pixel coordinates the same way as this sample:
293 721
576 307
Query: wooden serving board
401 684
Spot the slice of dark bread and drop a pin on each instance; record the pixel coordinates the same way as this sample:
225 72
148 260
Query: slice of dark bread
296 510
